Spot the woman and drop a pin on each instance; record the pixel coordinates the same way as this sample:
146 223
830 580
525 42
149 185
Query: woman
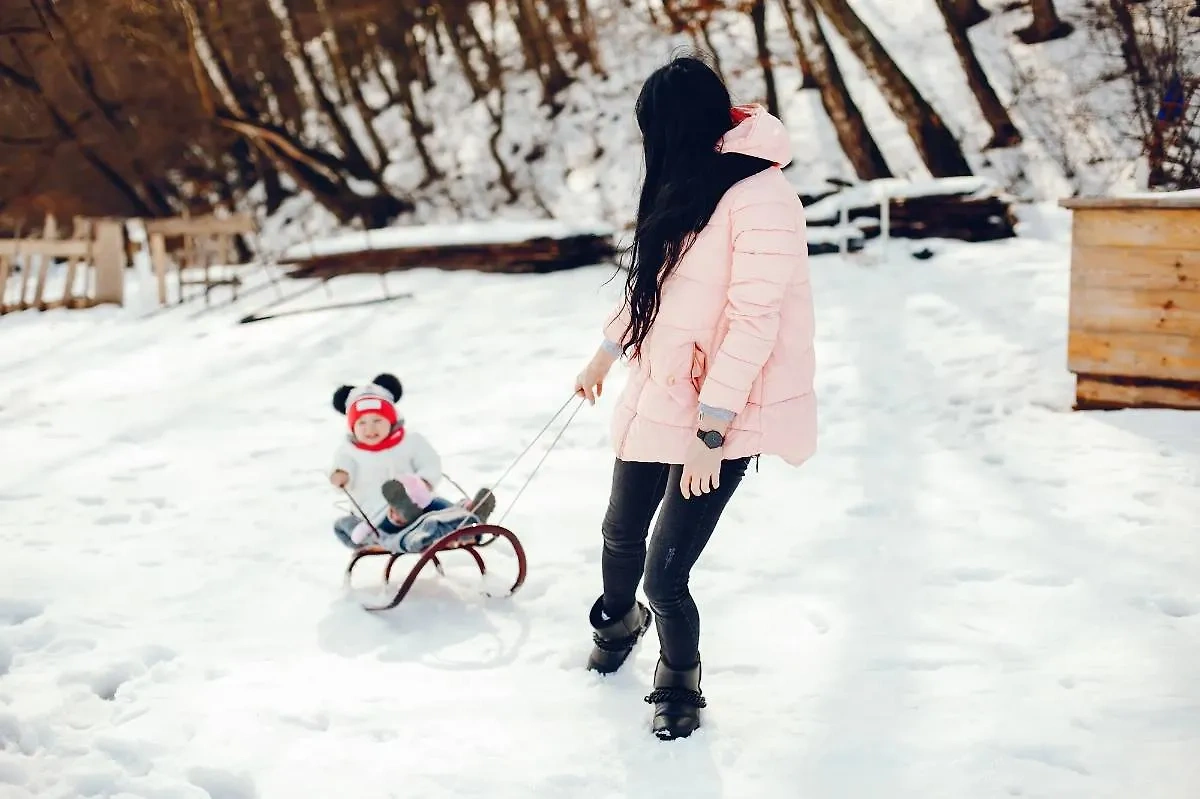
717 321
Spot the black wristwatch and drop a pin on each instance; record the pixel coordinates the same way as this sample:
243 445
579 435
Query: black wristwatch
711 438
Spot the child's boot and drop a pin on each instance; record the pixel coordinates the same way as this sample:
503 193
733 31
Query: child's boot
677 701
613 638
483 504
398 500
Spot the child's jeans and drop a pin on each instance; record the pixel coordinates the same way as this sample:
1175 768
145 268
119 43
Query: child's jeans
439 518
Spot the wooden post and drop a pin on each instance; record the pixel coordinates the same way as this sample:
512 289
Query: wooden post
49 233
108 259
1134 337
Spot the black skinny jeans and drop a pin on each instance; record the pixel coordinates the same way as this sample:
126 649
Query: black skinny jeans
683 529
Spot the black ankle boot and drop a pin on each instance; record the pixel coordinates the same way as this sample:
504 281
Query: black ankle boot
615 638
677 701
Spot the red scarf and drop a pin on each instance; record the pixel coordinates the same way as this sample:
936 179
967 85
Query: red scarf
394 438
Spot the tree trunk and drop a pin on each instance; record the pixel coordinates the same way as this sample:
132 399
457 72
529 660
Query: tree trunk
807 81
969 13
1004 132
574 34
539 49
356 161
588 26
712 50
349 88
939 150
139 204
852 132
758 15
1046 26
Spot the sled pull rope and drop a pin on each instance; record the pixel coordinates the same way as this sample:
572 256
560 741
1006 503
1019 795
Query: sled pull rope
525 451
546 454
361 512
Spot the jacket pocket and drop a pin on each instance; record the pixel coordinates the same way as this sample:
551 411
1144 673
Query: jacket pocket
699 367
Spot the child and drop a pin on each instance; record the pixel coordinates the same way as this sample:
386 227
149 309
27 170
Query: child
380 451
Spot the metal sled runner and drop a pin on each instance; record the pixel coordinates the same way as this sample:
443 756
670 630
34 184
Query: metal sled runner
469 538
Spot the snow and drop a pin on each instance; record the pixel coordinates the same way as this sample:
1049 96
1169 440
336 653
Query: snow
450 234
971 590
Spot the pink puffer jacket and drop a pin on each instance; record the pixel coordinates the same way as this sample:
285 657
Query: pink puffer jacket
735 326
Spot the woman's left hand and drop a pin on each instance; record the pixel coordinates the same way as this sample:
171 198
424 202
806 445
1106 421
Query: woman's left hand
701 469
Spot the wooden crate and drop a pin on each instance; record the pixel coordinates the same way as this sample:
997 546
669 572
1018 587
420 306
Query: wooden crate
1134 337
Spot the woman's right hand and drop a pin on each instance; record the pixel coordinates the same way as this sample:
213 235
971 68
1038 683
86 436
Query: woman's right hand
339 478
590 382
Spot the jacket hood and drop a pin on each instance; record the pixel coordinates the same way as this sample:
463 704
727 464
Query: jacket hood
758 134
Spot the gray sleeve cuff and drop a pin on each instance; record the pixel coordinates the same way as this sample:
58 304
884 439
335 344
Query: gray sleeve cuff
612 348
717 413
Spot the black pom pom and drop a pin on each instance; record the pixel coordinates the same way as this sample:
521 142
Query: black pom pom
390 383
339 398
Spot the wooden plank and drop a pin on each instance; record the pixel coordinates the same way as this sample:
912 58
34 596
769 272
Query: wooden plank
1108 203
109 262
1135 311
1094 392
1134 355
4 267
1172 229
49 233
1135 267
65 248
158 259
201 225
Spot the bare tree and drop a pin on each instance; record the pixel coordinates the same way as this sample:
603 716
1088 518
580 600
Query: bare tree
851 129
969 12
758 15
1047 25
1160 45
1004 132
940 151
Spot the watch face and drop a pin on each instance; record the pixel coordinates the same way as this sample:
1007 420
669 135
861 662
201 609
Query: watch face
713 439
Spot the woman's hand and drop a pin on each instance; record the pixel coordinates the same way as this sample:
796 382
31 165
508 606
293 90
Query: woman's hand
701 465
590 382
339 478
701 469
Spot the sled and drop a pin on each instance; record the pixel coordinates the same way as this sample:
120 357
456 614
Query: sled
469 539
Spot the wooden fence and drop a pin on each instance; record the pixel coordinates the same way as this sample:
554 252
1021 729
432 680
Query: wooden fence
90 266
93 273
203 245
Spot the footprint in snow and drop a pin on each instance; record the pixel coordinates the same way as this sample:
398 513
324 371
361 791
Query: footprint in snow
1176 607
965 574
223 784
1045 580
105 682
18 611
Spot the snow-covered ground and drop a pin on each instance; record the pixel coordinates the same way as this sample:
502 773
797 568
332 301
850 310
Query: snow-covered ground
971 591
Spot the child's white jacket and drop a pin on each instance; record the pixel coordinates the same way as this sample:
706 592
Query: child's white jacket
370 470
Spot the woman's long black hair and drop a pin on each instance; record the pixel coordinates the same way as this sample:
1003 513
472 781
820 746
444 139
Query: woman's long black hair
683 110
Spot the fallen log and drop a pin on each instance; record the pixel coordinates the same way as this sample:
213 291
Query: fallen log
969 209
498 247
